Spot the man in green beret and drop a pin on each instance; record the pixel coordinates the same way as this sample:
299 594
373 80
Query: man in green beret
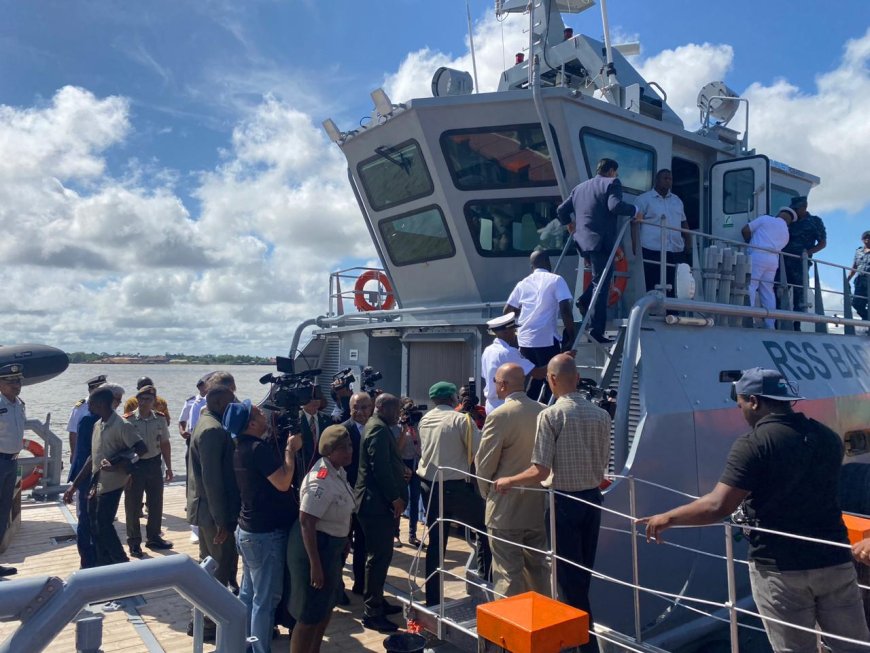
449 439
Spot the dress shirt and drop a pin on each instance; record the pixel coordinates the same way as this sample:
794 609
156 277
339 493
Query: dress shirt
573 440
152 430
768 232
493 357
538 296
110 438
443 436
326 495
196 412
11 425
654 206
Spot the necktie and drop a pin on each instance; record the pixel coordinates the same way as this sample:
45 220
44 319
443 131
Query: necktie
312 423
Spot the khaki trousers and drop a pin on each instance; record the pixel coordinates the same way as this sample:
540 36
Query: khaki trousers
516 570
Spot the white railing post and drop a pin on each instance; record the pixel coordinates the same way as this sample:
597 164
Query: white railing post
554 579
663 260
440 477
732 590
635 566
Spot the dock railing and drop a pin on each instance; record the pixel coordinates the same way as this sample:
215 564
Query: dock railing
701 606
45 605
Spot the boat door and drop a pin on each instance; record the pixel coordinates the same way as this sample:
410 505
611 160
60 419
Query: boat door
739 192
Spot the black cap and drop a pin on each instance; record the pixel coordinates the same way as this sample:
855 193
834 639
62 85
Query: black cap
798 201
97 380
12 371
143 381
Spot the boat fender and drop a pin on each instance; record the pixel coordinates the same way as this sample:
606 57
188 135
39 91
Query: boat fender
685 282
619 280
29 482
359 298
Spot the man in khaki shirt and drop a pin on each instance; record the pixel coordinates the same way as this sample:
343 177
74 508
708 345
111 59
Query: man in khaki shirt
518 516
147 474
113 441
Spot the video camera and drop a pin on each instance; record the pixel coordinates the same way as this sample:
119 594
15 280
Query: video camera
369 378
289 392
411 414
602 397
342 379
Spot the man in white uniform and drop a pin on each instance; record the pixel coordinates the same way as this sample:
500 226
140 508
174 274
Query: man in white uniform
771 234
504 349
79 411
11 440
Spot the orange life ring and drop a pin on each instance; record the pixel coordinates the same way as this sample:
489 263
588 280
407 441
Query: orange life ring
359 299
30 481
618 281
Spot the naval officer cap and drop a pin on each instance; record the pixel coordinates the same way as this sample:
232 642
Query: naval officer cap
769 384
798 201
12 371
204 380
442 389
100 379
503 322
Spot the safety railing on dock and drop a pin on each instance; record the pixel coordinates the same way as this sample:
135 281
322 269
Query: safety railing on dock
727 611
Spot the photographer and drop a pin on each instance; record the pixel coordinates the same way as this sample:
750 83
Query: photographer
409 450
341 394
264 475
469 403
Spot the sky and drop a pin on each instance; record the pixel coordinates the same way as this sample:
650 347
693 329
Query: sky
165 185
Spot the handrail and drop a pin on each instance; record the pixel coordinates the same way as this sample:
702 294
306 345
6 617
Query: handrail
46 605
732 606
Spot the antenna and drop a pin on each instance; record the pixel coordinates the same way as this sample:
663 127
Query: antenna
471 42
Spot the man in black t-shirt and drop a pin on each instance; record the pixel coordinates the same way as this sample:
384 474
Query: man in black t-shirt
785 472
268 511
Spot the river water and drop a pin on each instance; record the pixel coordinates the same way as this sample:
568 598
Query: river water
175 383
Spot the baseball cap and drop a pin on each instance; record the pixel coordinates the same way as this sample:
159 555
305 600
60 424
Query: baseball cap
769 384
442 389
236 417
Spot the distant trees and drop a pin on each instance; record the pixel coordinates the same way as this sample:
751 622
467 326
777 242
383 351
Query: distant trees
203 359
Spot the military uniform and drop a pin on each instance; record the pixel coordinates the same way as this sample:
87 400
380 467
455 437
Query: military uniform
803 234
79 410
160 406
12 418
146 479
380 481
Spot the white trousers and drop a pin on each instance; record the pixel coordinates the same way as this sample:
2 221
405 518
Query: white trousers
763 273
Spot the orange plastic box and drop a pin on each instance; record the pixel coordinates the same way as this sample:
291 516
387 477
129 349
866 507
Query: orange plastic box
858 527
532 623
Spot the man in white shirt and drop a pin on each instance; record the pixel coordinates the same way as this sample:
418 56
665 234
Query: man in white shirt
539 300
656 204
504 349
771 234
12 420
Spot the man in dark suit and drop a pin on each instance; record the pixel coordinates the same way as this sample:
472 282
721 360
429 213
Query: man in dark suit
596 205
381 488
213 501
313 422
361 408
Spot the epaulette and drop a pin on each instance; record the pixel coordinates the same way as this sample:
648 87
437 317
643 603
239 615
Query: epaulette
190 398
322 473
129 415
80 403
157 412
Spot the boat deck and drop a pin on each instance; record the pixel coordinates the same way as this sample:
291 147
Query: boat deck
157 622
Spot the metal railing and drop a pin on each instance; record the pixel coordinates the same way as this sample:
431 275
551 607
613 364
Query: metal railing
702 606
45 605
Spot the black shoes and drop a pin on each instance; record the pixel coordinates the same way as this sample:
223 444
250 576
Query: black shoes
158 544
359 590
209 630
380 624
136 551
7 571
601 339
389 608
413 541
343 599
582 305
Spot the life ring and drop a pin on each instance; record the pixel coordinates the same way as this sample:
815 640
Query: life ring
36 450
359 298
618 281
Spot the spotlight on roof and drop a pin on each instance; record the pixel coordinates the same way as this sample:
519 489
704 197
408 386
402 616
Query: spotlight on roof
383 105
335 135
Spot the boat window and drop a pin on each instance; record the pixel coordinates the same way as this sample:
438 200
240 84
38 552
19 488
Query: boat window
781 196
687 186
395 175
515 227
738 191
417 237
514 156
637 162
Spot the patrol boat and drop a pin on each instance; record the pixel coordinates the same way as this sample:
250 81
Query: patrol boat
458 189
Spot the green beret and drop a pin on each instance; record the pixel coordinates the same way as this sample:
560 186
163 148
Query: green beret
442 389
331 437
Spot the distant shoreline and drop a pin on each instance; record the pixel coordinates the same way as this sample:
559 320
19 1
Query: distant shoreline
82 358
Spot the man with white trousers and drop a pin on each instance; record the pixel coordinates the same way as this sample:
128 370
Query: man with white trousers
771 234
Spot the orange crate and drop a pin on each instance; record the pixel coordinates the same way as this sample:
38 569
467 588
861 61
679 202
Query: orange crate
532 623
858 527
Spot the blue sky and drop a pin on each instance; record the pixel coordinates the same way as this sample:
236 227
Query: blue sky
199 119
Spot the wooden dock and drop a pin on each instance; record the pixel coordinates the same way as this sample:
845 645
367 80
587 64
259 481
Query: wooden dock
157 622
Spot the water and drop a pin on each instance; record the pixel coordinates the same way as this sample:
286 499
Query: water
175 383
